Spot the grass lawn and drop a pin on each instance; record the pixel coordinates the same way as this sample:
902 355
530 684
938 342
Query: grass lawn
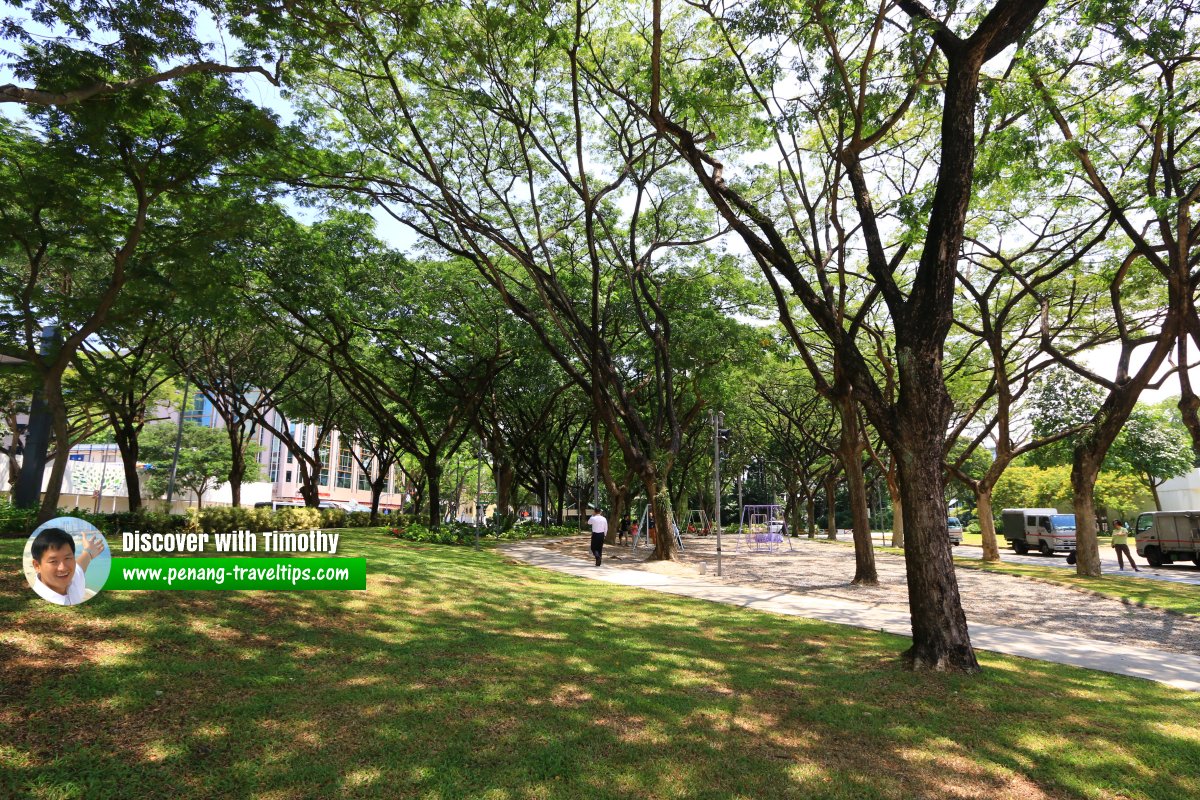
456 675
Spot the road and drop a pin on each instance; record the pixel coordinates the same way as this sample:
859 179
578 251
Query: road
1175 573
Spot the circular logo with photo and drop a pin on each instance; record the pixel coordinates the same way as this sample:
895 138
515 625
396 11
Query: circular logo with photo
67 561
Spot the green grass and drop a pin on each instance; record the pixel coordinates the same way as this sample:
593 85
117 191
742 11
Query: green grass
456 675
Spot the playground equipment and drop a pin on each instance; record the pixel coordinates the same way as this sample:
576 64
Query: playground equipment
697 522
761 530
643 532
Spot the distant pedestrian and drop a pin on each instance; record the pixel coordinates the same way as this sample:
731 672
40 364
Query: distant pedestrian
599 525
1120 543
623 529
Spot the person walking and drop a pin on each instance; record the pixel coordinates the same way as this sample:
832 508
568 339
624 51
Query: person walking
1120 543
599 524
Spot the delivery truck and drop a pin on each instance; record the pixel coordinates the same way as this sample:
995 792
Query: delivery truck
1041 529
1164 537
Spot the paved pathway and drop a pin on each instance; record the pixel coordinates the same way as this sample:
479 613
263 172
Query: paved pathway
1174 669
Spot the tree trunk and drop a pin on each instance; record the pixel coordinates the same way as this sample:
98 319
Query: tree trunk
433 478
505 476
940 637
377 487
850 452
126 436
987 522
237 471
897 507
660 504
308 484
1087 544
830 512
62 453
812 517
1154 491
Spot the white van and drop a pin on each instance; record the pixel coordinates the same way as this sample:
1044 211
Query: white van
1164 537
1041 529
955 528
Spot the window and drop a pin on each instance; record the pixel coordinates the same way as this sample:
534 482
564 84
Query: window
364 477
292 431
274 462
287 476
323 458
200 412
345 463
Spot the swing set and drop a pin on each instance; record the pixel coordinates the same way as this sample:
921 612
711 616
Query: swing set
643 532
762 529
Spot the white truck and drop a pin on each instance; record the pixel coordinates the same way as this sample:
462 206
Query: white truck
1041 529
1164 537
955 529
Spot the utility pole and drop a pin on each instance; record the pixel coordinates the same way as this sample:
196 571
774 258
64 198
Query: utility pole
596 474
178 441
717 417
579 494
545 497
103 474
478 490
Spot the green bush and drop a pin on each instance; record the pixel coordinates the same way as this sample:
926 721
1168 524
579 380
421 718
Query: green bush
973 527
19 522
463 533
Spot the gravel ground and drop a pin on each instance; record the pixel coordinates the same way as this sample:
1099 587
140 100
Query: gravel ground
825 569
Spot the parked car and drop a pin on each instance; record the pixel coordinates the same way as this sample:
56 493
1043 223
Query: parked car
1164 537
1041 529
956 531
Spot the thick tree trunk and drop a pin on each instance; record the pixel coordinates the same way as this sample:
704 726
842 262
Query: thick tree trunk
126 436
987 522
812 517
664 518
308 484
377 487
505 476
237 471
62 453
940 637
433 478
1083 486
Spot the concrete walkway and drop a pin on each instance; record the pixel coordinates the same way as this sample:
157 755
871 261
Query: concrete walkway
1173 669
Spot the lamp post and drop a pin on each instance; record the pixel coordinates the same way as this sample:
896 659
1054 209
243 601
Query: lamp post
478 489
717 417
178 442
103 474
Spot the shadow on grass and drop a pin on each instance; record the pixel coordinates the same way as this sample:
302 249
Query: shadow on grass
456 675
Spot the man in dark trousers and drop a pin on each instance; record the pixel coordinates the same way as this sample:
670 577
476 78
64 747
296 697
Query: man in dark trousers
599 525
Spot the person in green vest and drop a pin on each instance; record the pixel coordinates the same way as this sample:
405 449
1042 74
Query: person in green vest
1120 543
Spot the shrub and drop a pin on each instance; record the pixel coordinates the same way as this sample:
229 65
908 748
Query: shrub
462 533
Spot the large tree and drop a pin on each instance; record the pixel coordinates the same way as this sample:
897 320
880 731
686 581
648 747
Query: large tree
866 72
99 195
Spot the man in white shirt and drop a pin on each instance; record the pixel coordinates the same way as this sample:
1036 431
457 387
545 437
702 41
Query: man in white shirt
599 529
59 575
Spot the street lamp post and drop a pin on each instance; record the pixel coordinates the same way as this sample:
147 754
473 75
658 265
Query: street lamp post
717 417
178 442
478 490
